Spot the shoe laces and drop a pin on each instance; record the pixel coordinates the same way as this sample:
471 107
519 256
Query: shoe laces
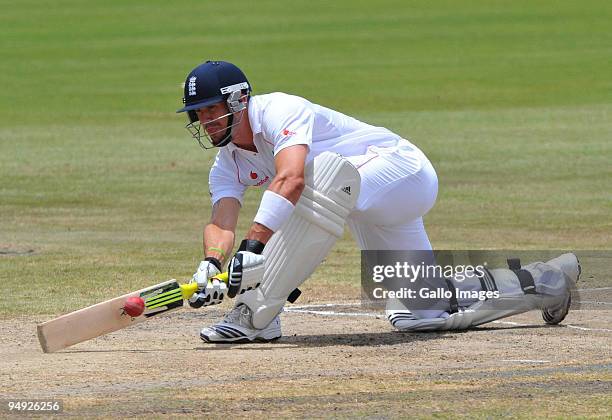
240 315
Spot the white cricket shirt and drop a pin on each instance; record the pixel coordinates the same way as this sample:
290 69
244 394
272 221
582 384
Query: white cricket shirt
279 120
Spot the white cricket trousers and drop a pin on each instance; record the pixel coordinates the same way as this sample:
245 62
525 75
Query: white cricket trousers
398 187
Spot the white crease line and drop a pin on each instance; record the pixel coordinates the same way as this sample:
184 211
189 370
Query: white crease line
332 313
587 329
322 305
512 323
526 361
331 305
565 325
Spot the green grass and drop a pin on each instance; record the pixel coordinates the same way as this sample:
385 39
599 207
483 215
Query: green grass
512 101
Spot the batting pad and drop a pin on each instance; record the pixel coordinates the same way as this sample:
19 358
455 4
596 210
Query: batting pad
552 280
301 244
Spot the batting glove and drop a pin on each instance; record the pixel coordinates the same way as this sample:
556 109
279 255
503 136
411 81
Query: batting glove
209 292
208 268
246 268
212 294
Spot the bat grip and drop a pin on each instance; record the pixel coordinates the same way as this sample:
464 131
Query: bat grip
190 288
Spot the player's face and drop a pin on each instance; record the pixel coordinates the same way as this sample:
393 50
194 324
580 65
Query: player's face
213 119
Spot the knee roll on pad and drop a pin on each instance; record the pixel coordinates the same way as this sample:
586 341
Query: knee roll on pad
299 246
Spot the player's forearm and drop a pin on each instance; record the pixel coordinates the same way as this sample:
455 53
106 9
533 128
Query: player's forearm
259 232
218 242
276 206
289 179
289 186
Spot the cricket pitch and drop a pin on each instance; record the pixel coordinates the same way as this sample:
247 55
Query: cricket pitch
333 360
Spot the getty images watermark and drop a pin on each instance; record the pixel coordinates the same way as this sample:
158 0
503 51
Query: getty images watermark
403 271
438 279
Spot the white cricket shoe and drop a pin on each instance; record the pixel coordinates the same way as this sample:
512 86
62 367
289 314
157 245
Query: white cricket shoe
401 318
406 321
236 327
569 264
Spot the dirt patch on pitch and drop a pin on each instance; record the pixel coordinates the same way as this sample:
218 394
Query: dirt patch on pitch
324 365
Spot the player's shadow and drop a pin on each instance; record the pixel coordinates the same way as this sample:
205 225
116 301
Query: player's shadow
328 340
512 327
386 338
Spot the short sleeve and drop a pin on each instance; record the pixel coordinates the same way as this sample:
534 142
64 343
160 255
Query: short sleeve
288 121
223 179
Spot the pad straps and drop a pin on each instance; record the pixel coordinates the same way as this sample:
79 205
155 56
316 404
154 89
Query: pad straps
525 278
487 282
454 304
294 295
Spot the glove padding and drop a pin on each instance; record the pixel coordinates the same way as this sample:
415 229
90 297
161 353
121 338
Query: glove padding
212 294
208 268
246 268
209 292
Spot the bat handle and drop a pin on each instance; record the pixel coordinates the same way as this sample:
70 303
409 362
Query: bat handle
190 288
222 276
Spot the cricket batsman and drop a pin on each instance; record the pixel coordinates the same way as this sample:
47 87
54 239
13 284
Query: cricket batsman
321 170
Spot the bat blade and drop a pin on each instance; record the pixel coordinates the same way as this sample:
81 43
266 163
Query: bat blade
102 318
108 316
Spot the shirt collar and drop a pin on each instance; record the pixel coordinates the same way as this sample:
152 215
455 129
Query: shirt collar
232 148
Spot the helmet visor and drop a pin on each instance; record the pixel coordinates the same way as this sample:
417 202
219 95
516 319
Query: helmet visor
201 104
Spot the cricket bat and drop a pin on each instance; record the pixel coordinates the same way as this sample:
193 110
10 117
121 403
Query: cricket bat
106 317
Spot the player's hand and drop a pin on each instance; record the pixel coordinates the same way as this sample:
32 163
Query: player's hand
212 294
246 268
208 268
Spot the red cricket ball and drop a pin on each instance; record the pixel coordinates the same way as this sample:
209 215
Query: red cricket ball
134 306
